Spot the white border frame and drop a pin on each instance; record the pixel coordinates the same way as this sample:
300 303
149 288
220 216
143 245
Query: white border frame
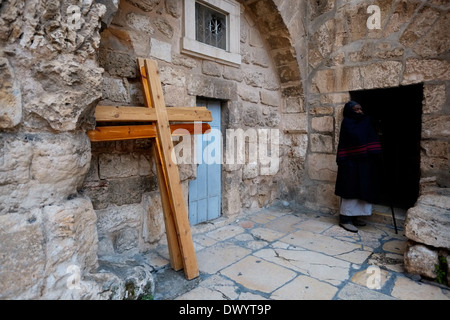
189 45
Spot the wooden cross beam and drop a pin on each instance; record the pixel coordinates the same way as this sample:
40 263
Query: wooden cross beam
179 238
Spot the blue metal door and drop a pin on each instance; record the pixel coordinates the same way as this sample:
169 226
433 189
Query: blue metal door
205 191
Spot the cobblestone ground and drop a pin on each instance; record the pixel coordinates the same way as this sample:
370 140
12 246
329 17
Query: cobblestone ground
282 253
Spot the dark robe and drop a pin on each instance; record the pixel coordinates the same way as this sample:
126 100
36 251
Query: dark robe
357 157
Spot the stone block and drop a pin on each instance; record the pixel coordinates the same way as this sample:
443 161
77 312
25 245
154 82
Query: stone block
250 170
437 40
294 123
419 27
322 167
160 50
323 124
212 68
428 222
118 165
118 63
10 97
325 197
23 242
139 22
45 248
421 260
293 105
41 168
321 143
232 73
260 57
422 70
201 85
402 14
323 81
115 90
434 98
270 98
153 219
381 75
248 94
435 126
145 5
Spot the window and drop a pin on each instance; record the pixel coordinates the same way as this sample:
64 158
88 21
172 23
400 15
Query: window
212 30
210 26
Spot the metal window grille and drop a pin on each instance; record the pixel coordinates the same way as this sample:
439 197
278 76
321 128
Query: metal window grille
211 26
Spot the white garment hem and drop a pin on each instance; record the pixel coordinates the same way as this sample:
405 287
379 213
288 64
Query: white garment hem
355 207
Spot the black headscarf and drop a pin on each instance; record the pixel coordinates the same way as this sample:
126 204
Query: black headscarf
357 137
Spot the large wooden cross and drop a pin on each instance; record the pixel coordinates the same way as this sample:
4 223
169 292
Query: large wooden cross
158 118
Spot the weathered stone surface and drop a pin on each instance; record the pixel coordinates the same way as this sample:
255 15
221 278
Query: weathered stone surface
434 98
129 279
40 168
417 70
10 97
146 5
51 252
132 228
111 9
322 124
294 123
435 126
321 143
421 260
437 40
428 222
322 166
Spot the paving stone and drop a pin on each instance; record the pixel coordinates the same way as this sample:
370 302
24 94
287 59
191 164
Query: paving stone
217 257
284 224
215 287
320 243
314 264
395 246
225 232
356 256
257 274
305 288
204 240
352 291
317 226
372 277
407 289
201 293
390 261
296 255
266 234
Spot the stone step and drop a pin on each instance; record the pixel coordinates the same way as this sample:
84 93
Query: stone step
383 214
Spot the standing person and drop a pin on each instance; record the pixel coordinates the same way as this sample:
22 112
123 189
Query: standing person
357 177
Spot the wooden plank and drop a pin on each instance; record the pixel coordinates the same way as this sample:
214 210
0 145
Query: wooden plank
171 171
175 257
142 114
113 133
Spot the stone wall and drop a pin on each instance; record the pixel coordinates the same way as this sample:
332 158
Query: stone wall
263 92
49 87
345 53
410 46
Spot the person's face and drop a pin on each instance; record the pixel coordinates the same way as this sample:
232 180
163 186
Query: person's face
358 109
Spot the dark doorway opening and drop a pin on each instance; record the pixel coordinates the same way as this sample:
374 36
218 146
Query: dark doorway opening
397 115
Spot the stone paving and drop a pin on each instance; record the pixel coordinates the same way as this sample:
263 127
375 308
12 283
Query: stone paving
283 254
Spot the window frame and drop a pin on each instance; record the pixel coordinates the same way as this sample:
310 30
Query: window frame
189 45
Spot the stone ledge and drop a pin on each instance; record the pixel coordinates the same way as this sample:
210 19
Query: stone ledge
428 222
